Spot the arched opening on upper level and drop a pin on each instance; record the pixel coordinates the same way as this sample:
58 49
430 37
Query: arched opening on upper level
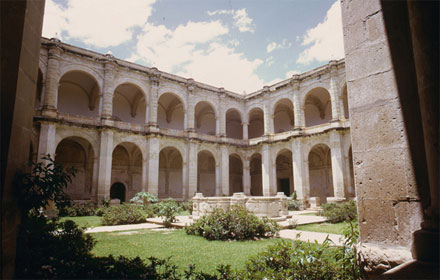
205 118
320 172
283 118
127 167
345 102
284 172
206 180
78 94
317 107
129 104
234 126
170 112
256 123
78 153
256 175
170 173
235 174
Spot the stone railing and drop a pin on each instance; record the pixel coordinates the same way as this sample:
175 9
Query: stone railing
269 206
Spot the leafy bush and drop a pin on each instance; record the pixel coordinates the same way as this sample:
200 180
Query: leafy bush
101 210
339 212
234 224
187 206
144 198
124 214
294 205
168 210
79 209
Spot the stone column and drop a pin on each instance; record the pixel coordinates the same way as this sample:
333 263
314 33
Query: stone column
189 110
218 187
267 171
245 130
224 170
222 114
337 155
333 90
46 143
105 164
144 175
268 118
107 91
185 177
217 126
192 169
299 165
154 88
52 80
153 166
246 177
298 110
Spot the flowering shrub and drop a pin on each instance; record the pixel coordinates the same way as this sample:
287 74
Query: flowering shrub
234 224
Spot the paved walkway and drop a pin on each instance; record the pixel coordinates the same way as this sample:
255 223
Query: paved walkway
156 223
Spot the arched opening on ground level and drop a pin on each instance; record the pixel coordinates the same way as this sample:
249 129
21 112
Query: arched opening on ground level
78 153
256 123
129 104
38 90
283 119
127 167
117 190
170 112
78 94
206 179
235 174
284 172
317 107
205 118
170 173
256 175
345 102
320 172
351 190
234 127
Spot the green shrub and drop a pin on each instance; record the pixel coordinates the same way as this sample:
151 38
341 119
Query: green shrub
101 210
144 198
294 205
187 206
168 210
79 209
339 212
124 214
234 224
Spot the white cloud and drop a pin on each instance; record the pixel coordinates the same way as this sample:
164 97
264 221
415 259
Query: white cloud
285 44
324 41
100 23
269 61
198 50
241 19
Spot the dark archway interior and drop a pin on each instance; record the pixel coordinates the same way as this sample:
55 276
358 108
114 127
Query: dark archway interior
117 190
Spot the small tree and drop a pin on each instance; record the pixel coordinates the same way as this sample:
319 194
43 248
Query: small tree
168 210
144 198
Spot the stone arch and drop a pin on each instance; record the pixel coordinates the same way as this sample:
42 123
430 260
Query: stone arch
133 81
206 173
255 162
284 172
170 173
256 122
235 173
234 126
69 133
177 93
118 191
79 67
205 118
317 106
78 153
320 172
127 167
78 94
129 103
283 116
170 111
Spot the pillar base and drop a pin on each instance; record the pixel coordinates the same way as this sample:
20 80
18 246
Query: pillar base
425 245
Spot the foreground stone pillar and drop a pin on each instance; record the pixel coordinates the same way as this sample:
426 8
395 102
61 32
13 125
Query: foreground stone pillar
299 165
52 78
153 166
266 170
192 169
337 165
46 144
224 170
246 177
105 164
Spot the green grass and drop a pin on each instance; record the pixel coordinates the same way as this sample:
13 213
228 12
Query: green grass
337 228
309 214
86 221
184 249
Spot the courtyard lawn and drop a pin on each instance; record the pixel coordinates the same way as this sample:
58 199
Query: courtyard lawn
337 228
184 249
309 214
85 221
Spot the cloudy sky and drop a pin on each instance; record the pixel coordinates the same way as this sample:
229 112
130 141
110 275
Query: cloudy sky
238 45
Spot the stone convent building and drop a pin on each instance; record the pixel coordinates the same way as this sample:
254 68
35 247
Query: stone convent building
127 128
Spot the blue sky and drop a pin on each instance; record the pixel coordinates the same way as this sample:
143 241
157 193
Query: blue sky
238 45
